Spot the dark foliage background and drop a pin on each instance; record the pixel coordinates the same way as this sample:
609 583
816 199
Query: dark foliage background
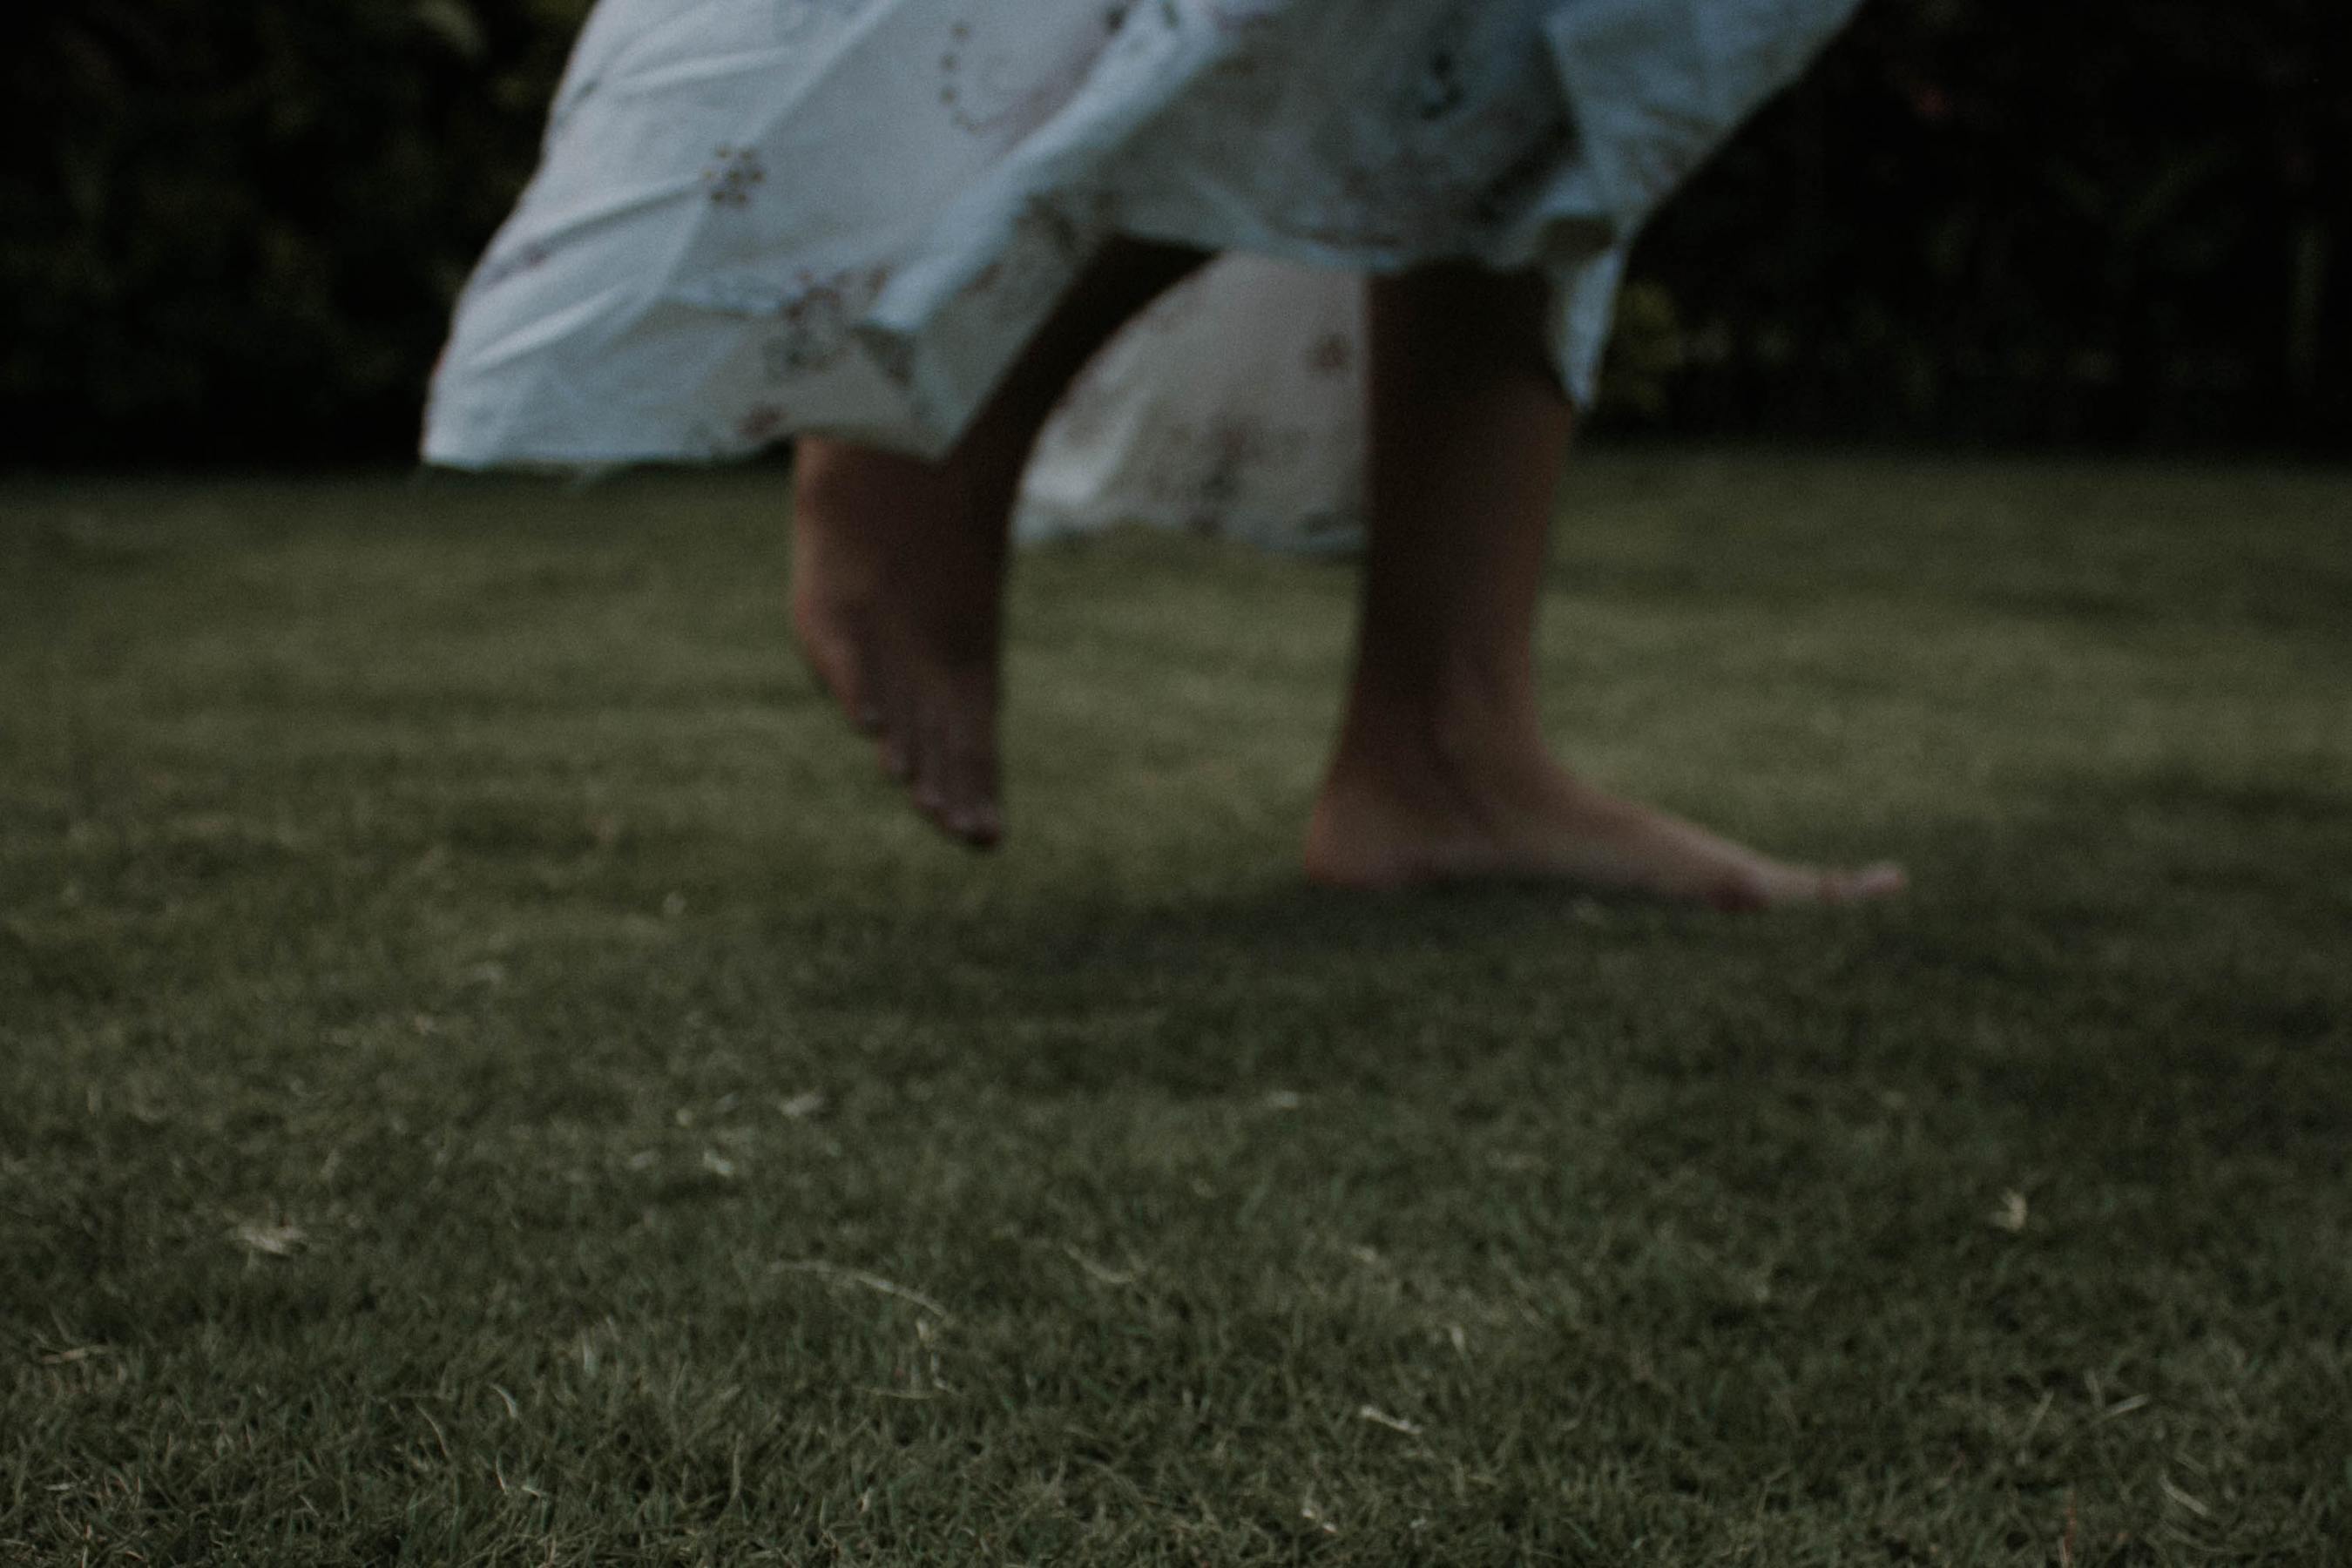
230 232
2106 223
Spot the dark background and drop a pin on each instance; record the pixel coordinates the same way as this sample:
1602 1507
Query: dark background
230 232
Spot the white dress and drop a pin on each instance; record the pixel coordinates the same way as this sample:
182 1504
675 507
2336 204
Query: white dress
1233 408
755 218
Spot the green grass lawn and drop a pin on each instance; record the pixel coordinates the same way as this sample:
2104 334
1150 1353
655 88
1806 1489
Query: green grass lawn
487 1076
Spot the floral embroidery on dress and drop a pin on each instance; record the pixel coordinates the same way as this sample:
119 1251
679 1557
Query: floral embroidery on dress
734 175
1441 89
763 423
817 319
1000 93
1041 254
1232 408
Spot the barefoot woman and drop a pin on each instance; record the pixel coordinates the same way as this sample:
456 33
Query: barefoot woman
899 227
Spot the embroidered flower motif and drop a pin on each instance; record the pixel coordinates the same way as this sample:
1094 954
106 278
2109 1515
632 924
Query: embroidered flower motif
734 174
1042 253
1005 94
762 422
816 319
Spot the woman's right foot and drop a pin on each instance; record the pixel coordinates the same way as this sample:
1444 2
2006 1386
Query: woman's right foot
1405 813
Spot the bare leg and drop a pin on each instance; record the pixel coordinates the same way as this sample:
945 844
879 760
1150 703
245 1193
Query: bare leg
1440 770
898 565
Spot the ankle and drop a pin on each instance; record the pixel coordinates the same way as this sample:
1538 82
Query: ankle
825 480
1458 724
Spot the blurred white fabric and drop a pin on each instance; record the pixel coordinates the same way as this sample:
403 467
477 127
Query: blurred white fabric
760 217
1233 407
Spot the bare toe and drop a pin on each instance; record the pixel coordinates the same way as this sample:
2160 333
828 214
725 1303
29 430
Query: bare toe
1882 880
949 758
926 783
894 733
968 768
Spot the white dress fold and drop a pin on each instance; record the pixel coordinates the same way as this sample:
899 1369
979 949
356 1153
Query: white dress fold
1232 409
754 217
